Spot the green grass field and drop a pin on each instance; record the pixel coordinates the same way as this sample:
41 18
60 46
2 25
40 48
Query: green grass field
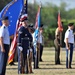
48 67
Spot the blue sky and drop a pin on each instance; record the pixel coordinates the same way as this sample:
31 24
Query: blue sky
70 3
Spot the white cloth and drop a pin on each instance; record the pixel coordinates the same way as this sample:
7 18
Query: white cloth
5 34
69 34
41 39
21 49
33 37
57 32
31 50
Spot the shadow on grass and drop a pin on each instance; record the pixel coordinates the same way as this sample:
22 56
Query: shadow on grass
57 64
55 68
12 68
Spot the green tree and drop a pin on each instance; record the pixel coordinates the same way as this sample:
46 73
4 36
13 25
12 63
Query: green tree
3 3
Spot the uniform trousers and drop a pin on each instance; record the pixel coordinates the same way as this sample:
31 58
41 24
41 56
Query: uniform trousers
3 59
41 51
57 52
37 60
69 55
57 55
22 57
22 62
34 53
37 57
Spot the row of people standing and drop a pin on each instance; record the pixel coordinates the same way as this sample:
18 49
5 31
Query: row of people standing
25 47
69 42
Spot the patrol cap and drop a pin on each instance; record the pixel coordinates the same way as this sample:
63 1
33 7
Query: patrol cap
70 24
30 26
41 25
23 18
4 18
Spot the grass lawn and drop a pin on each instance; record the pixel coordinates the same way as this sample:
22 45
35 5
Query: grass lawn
48 67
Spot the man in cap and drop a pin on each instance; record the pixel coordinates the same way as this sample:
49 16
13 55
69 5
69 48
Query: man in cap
24 40
57 46
39 50
69 41
4 44
57 49
41 41
31 50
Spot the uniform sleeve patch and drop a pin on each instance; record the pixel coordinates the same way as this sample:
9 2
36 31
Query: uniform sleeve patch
69 30
20 32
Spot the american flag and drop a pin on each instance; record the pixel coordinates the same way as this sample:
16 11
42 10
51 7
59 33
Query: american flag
18 25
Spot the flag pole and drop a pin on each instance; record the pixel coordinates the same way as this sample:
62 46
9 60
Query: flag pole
60 46
26 3
39 35
60 30
34 3
28 60
37 25
60 39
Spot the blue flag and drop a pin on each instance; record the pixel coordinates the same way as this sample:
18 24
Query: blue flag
12 10
37 24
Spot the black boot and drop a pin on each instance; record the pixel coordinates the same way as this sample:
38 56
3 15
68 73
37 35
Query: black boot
70 65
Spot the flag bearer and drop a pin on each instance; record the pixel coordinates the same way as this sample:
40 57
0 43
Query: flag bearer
57 46
69 41
41 41
24 37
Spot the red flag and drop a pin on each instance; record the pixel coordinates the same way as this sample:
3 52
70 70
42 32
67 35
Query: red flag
59 22
18 25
